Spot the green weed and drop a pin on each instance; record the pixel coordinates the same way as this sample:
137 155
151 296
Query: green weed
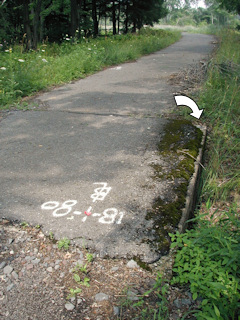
51 235
207 259
152 305
73 292
64 243
24 224
89 257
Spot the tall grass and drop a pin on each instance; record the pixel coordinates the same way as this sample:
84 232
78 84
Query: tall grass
220 99
22 74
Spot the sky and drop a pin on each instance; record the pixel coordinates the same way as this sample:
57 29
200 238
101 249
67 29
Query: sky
200 3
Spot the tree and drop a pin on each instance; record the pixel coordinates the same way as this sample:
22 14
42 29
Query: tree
146 12
230 5
32 21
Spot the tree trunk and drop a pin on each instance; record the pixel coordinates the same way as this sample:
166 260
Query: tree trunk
41 28
36 18
74 17
127 17
118 18
94 17
114 18
27 28
134 18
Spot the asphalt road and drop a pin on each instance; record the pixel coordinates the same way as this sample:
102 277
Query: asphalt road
81 166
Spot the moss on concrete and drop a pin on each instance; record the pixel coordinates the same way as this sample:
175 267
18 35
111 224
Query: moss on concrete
179 145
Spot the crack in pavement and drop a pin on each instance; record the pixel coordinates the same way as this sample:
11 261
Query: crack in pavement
100 133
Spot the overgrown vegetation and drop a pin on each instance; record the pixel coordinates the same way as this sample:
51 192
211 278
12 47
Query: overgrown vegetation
22 74
208 256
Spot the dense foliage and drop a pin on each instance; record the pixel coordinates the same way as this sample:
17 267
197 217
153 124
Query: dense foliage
32 21
230 5
214 14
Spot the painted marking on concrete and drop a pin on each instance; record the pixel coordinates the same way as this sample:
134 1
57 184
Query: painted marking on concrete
100 193
109 216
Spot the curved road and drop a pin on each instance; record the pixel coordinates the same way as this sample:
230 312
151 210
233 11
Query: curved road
81 166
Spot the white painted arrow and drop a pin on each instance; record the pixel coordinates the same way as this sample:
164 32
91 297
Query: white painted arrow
185 101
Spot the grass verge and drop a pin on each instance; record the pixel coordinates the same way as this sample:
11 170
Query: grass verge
208 256
23 74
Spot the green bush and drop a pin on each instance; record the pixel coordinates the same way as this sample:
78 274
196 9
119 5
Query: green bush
208 259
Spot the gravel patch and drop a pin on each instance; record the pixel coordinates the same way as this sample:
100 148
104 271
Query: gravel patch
36 279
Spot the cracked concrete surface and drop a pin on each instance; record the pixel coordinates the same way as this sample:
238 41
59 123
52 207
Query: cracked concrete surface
98 136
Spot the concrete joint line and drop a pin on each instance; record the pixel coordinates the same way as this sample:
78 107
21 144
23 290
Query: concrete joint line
136 116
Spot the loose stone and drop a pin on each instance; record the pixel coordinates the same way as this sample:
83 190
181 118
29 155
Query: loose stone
132 264
116 311
177 303
15 275
101 296
10 287
186 302
132 295
7 270
50 269
2 264
114 268
28 258
69 306
29 266
36 261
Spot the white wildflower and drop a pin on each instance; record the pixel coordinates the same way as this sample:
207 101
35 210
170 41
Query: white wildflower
43 50
3 68
67 39
89 49
21 60
44 60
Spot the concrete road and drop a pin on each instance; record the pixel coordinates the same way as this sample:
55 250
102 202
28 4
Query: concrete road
81 166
